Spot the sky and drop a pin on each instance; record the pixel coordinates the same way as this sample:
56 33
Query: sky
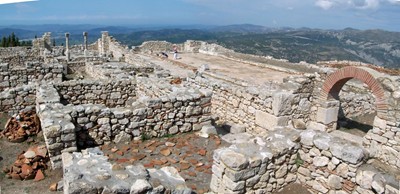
323 14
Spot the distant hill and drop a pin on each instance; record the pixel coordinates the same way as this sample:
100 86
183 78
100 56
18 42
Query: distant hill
242 28
304 44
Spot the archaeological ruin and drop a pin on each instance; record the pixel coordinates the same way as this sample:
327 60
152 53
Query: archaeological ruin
281 118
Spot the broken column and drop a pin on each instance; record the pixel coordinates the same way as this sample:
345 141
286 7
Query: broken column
85 44
104 43
67 46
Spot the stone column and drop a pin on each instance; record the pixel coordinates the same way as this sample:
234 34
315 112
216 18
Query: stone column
85 44
104 43
67 46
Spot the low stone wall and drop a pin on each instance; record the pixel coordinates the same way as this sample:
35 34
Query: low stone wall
158 46
17 56
68 127
267 106
111 70
256 165
32 72
383 141
330 164
321 162
112 93
12 101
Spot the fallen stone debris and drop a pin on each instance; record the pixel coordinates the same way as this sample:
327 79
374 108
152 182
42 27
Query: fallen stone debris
21 126
29 165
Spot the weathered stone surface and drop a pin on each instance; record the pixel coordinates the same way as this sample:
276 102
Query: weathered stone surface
270 121
234 160
140 186
320 161
307 137
122 137
334 182
327 115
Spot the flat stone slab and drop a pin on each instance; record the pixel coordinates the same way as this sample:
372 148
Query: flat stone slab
90 171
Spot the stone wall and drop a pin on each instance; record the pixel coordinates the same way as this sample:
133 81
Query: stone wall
158 46
12 101
32 72
256 164
68 127
110 70
333 164
383 141
112 93
321 162
267 106
17 56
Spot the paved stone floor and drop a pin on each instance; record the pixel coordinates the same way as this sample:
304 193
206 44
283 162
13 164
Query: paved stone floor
190 154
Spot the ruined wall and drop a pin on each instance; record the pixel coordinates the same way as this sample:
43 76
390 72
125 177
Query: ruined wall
14 100
32 72
319 161
266 106
111 93
158 46
88 124
111 70
256 165
17 56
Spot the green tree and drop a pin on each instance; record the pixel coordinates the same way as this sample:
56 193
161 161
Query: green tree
3 42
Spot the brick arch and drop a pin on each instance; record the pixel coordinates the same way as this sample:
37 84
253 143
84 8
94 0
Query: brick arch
335 81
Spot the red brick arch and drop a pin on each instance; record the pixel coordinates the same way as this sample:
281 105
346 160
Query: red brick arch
335 81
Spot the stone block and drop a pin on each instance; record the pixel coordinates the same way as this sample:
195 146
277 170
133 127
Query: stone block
282 103
269 121
380 123
317 126
327 115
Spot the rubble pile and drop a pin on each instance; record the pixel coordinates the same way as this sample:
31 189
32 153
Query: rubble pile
29 164
20 127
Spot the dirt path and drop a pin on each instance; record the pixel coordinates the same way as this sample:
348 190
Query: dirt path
233 69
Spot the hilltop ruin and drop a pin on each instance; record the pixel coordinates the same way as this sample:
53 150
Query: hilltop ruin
283 117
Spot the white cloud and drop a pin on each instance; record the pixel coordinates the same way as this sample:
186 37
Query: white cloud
324 4
14 1
352 4
394 1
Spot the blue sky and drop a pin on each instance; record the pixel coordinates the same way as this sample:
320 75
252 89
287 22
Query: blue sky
325 14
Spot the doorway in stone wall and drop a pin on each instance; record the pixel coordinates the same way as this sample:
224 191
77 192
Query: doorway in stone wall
350 98
357 108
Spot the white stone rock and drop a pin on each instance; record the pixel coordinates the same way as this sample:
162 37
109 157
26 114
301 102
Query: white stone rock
335 182
327 115
269 121
320 161
140 186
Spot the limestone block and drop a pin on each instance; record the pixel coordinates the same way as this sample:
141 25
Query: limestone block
334 181
365 178
380 123
282 103
233 160
269 121
307 137
317 126
140 186
327 115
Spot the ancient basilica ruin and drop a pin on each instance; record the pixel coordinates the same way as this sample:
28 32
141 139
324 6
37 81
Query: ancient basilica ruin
281 118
